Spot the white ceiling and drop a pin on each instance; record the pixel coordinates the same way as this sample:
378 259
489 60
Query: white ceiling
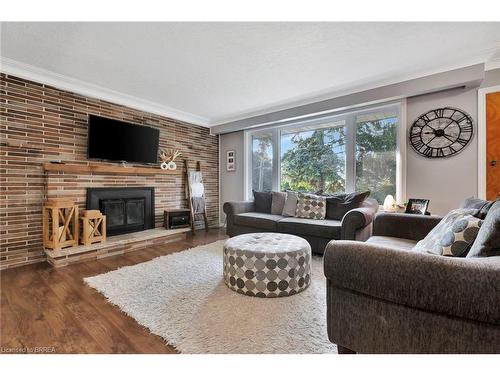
217 72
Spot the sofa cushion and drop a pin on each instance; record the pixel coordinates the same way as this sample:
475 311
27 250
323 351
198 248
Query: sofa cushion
290 204
257 220
479 204
392 242
263 201
310 206
432 242
337 205
278 202
487 242
458 239
310 227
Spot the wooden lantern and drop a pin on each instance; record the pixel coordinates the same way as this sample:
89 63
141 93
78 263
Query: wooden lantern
93 224
60 223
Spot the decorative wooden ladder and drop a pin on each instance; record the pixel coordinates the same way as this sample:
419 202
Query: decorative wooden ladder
190 197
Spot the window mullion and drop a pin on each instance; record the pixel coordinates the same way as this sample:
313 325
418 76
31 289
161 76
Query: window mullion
276 140
350 147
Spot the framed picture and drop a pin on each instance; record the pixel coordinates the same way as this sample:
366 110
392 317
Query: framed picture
231 161
417 206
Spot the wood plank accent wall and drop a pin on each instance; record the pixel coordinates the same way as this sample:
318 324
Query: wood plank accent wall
40 123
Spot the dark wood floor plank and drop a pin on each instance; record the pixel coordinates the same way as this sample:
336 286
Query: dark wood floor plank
44 320
143 340
43 306
95 323
9 323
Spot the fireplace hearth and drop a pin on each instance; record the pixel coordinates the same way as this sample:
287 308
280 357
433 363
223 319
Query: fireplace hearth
127 209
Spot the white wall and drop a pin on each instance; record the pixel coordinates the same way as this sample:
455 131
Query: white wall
446 182
231 183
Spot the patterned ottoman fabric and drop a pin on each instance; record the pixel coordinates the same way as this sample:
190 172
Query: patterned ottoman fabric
267 264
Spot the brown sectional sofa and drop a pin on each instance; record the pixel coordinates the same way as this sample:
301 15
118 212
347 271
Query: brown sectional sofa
355 225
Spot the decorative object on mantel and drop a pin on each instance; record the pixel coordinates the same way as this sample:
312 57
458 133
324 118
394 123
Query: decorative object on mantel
196 194
389 203
441 132
231 161
60 223
93 227
168 159
417 206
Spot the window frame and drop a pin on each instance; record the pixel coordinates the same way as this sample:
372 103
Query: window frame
350 145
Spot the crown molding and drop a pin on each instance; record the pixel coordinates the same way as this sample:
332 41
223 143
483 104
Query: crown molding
33 73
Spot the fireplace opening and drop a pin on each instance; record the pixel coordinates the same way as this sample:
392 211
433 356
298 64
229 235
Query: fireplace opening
127 210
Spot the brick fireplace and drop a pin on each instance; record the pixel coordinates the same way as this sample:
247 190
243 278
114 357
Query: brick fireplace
40 123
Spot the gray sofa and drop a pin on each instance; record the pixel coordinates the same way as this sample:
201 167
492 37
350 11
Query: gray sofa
382 298
355 225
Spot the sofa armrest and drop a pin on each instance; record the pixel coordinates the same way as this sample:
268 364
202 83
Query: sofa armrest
408 226
355 220
463 287
233 208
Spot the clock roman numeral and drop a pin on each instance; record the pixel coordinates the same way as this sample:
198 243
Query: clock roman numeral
440 152
467 128
415 135
463 142
439 112
419 124
417 143
427 151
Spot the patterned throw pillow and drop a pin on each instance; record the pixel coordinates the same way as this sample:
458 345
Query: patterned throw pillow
310 206
432 242
458 240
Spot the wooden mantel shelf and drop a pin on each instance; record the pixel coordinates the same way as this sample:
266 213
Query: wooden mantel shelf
105 169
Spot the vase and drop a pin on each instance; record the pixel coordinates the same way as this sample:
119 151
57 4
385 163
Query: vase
172 166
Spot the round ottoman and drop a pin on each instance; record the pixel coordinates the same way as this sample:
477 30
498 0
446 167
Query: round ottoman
267 264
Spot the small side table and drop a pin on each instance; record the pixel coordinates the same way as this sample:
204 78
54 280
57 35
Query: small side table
175 218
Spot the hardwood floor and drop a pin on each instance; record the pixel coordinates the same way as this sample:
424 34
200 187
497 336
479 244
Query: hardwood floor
44 309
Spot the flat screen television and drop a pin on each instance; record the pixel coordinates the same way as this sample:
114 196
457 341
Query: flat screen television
121 141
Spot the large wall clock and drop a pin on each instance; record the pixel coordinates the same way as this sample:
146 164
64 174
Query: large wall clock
441 132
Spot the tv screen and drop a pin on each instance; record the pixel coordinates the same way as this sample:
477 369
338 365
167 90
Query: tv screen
117 140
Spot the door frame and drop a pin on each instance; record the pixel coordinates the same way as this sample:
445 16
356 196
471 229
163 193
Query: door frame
481 139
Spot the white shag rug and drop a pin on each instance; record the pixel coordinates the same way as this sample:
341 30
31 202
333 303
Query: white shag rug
182 298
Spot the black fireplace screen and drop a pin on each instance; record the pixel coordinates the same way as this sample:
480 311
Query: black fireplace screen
127 209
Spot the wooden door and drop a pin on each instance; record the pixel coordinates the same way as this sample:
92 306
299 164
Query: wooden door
493 145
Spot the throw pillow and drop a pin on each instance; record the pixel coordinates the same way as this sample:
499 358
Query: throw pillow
290 204
278 202
310 206
432 242
339 204
263 201
458 239
479 204
488 239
